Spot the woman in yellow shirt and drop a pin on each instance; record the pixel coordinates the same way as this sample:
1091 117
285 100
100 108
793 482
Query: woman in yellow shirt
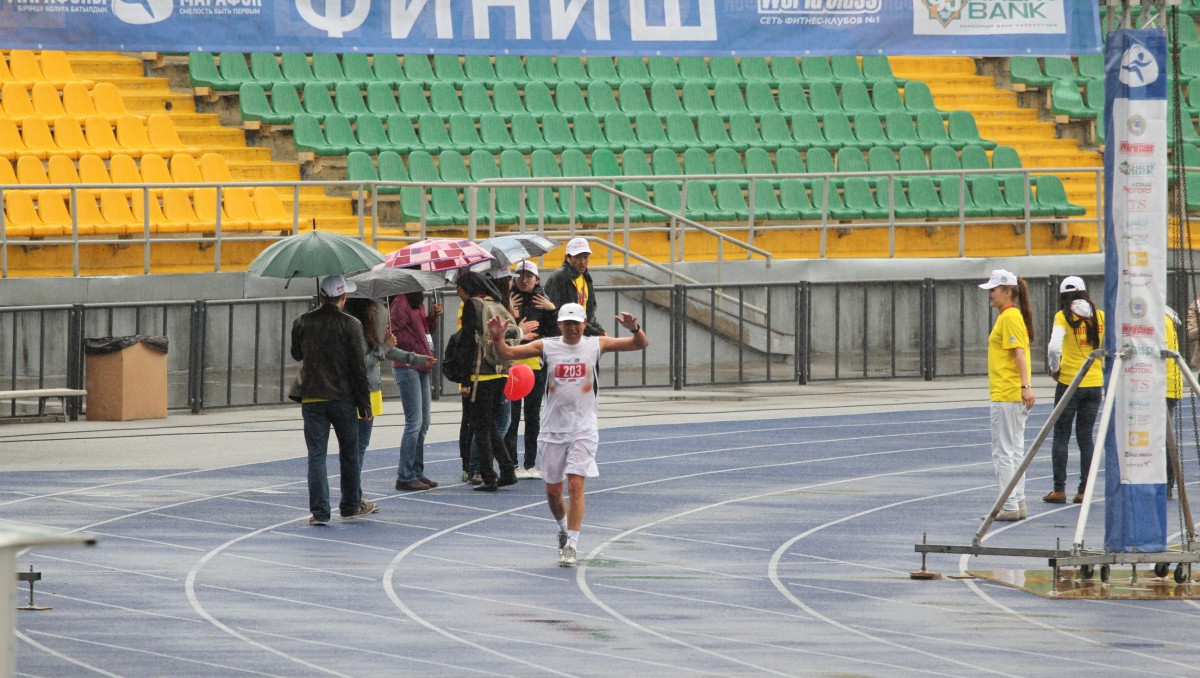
1174 388
1009 382
1078 330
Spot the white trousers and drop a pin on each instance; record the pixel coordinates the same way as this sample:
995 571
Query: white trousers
1008 447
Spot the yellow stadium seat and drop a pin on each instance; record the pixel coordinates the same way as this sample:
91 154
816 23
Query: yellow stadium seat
131 135
11 145
214 169
69 137
46 101
107 99
155 171
270 211
7 175
99 134
177 210
92 170
118 218
123 169
6 75
239 209
77 101
24 67
163 135
57 69
91 221
30 171
205 201
20 214
61 170
40 141
185 171
158 222
55 217
15 99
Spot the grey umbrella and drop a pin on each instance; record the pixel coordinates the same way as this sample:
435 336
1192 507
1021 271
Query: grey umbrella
389 282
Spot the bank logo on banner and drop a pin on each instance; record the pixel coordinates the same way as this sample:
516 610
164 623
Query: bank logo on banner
140 12
1138 68
988 17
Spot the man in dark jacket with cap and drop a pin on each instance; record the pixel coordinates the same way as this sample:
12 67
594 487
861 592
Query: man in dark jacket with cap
333 391
529 302
572 284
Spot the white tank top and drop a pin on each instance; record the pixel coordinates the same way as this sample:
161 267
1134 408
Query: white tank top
570 405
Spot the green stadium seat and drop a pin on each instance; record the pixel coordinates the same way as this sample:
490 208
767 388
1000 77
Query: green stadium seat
1026 71
452 168
1061 68
255 107
634 163
348 100
1189 132
944 158
1094 96
632 98
743 131
664 98
766 203
540 68
695 69
1050 193
664 69
758 161
417 69
513 165
681 133
974 157
793 196
807 132
478 68
285 100
728 99
923 195
667 196
526 132
431 130
602 69
357 67
465 135
483 165
900 130
402 133
846 70
496 205
326 67
1005 158
447 207
589 135
381 100
542 202
666 162
649 130
882 160
985 191
388 69
475 100
493 131
962 128
605 163
724 69
370 134
701 206
918 98
931 129
850 160
755 70
203 72
574 163
860 198
786 69
760 100
696 162
711 129
856 99
600 99
360 167
1066 100
317 101
412 99
568 99
339 131
633 69
637 212
838 131
443 99
391 168
510 68
775 132
816 69
1091 65
557 133
264 68
506 99
868 129
1015 192
877 70
792 99
885 97
571 69
912 159
730 199
296 69
697 100
619 131
538 100
309 137
727 161
830 199
892 200
952 196
817 161
823 98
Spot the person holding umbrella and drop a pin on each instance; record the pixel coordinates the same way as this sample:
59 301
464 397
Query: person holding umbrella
413 328
333 391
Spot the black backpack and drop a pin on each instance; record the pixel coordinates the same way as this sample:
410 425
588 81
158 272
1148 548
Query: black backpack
458 360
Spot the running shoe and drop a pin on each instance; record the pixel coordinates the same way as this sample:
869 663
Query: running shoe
321 522
567 559
532 473
562 541
366 508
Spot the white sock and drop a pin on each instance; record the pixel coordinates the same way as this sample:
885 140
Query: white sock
562 524
573 538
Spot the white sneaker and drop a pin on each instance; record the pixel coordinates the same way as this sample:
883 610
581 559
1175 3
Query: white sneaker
532 473
562 541
520 472
567 559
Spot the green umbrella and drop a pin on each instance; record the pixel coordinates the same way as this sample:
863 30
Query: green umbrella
314 254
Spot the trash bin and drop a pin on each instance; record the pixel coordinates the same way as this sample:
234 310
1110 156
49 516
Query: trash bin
126 378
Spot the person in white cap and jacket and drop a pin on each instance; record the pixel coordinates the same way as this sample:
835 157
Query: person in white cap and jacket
572 284
529 304
1009 385
332 390
1078 330
570 432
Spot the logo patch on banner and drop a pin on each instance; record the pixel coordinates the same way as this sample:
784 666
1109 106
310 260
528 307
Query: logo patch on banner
1138 69
141 12
988 17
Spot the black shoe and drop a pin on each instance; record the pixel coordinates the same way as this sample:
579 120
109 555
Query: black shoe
431 483
414 485
485 486
507 478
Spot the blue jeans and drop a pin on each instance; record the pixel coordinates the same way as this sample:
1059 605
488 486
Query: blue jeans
343 417
365 426
417 403
532 405
1081 409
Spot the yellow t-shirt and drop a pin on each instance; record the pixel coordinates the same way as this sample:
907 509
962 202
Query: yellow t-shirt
1075 350
1004 384
481 377
581 290
1174 376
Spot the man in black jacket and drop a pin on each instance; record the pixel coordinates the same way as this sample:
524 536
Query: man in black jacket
529 302
572 284
333 391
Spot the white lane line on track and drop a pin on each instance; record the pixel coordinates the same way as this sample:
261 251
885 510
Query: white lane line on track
59 655
122 608
98 566
137 650
303 603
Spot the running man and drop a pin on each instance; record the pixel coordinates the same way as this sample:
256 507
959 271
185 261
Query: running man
570 433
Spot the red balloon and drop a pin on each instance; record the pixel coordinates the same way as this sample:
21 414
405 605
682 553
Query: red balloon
520 382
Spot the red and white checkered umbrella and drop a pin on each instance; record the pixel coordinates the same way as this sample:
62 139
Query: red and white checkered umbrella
438 254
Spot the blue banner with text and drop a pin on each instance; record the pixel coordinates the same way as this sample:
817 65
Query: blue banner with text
560 27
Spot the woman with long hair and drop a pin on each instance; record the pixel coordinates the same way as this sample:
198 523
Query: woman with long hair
374 351
1009 382
1078 330
413 327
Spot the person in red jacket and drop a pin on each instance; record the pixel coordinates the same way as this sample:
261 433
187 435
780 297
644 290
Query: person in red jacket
413 329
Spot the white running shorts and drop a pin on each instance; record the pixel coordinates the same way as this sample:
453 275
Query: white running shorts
575 457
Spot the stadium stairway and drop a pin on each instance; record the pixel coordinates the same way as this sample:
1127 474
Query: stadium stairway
956 86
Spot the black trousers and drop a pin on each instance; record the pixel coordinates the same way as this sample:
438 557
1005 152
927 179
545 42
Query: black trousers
482 416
